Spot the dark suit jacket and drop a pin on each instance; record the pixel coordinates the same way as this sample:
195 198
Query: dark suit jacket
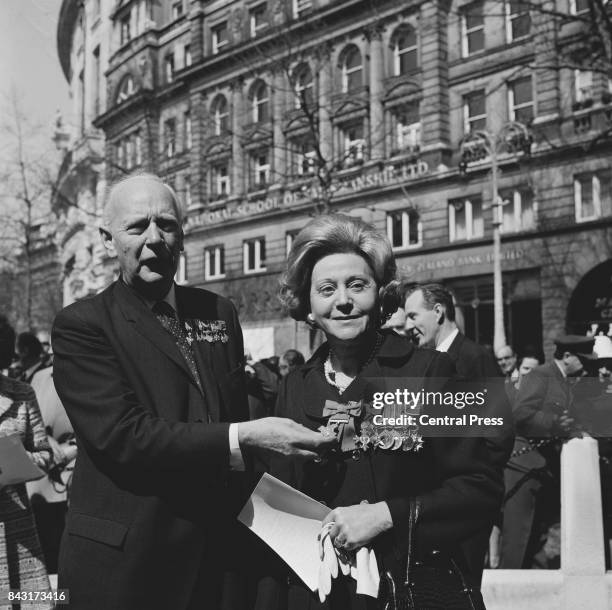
543 396
474 363
458 489
151 489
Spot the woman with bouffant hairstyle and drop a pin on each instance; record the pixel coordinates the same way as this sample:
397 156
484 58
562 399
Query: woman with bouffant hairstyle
383 486
332 234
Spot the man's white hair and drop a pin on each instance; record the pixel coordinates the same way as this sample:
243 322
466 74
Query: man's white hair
106 217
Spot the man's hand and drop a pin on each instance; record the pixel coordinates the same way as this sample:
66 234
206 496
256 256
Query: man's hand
357 525
283 436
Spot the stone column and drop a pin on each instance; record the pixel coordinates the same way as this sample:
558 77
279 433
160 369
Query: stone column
237 109
196 26
325 105
377 111
279 145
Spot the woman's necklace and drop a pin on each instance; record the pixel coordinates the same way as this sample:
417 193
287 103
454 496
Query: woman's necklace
337 378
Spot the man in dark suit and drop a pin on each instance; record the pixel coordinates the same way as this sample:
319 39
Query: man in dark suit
430 321
151 374
542 411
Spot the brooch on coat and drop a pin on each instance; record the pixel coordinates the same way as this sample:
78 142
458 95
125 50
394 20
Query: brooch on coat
393 429
211 331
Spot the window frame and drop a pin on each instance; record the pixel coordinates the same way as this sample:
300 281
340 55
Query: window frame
512 106
218 180
260 106
169 67
187 130
219 117
397 52
170 143
181 277
259 264
300 7
510 18
467 32
347 73
467 119
298 87
219 259
596 195
217 43
406 222
259 9
518 197
259 168
468 203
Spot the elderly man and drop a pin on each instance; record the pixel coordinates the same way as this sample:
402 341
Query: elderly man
430 321
151 374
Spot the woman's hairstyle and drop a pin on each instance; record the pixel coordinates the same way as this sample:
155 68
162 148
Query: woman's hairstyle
7 342
332 234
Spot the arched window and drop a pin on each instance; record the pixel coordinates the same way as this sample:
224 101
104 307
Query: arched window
220 115
303 88
352 69
126 89
405 50
260 102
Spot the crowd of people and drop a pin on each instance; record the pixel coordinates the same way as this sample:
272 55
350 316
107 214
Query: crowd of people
171 418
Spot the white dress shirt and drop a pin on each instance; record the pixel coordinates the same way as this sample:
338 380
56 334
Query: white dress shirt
444 345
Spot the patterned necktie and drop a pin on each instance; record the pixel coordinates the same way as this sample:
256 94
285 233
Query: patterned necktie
167 316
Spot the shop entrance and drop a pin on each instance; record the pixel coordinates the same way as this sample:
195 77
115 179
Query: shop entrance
522 309
590 306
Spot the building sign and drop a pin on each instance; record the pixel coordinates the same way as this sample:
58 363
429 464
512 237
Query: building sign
398 173
451 262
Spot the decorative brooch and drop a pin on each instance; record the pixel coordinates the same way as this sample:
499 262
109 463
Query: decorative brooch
406 438
211 331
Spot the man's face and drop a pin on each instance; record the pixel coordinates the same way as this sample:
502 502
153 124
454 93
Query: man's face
284 368
422 323
527 364
506 359
145 232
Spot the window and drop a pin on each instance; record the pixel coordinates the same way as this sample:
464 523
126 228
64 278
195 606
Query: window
304 97
405 51
220 116
187 132
306 158
181 270
220 179
260 103
465 219
187 55
214 262
289 238
518 20
408 129
125 26
472 29
583 85
520 102
170 137
254 255
300 7
187 190
589 192
261 169
120 154
177 9
404 229
219 37
579 6
169 67
354 144
518 211
126 89
257 19
352 70
474 111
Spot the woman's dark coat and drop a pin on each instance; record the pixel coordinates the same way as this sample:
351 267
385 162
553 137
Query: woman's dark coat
459 490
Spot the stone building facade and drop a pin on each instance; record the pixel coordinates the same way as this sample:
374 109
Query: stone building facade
263 113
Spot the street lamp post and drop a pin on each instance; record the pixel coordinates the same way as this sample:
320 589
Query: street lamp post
512 138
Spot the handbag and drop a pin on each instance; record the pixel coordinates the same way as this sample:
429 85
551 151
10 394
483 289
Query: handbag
433 584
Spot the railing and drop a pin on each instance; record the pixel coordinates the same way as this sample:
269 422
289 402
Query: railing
582 581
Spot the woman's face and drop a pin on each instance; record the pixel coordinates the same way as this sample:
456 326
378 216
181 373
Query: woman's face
343 295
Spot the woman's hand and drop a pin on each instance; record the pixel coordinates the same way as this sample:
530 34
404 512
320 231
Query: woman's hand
357 525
